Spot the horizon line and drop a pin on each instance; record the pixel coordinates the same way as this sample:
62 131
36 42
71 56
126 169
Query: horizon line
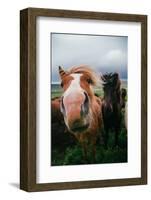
58 82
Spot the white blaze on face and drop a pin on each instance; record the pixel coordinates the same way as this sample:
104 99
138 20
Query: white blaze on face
73 98
71 93
74 86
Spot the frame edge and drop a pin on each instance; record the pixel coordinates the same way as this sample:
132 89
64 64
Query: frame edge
23 99
27 100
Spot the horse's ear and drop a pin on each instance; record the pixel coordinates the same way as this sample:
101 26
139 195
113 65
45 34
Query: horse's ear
103 79
61 72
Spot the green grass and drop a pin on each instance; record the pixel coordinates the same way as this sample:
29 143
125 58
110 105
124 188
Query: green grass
113 154
73 155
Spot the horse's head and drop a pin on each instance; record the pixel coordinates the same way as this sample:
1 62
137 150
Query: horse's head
111 86
76 99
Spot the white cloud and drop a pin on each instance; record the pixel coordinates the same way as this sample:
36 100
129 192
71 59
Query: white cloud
115 58
103 53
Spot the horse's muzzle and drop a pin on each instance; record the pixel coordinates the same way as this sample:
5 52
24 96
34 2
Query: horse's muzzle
78 128
75 109
85 105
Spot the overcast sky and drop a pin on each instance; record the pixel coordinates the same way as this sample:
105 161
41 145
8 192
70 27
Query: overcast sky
102 53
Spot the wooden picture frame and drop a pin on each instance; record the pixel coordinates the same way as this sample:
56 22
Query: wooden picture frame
28 98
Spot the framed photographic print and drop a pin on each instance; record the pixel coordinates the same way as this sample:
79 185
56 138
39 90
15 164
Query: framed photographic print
83 99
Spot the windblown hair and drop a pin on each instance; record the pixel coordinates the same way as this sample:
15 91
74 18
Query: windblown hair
111 79
111 107
84 69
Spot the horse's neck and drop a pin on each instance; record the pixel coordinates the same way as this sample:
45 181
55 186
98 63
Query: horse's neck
111 100
95 107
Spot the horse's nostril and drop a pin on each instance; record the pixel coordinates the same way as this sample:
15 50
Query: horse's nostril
85 105
62 108
86 101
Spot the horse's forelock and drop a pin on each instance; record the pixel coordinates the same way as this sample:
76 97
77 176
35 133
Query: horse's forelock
84 69
108 78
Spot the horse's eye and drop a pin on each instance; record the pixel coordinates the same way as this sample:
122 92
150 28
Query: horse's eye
61 84
89 81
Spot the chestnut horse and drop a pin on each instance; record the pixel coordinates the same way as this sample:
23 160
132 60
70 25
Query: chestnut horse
80 107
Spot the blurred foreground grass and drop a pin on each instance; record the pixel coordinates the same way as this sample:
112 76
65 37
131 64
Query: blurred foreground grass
73 155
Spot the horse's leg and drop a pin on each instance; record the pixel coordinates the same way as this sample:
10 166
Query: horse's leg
94 152
106 137
85 151
117 130
102 136
93 147
83 142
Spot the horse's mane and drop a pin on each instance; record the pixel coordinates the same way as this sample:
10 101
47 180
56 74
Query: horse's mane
110 78
84 69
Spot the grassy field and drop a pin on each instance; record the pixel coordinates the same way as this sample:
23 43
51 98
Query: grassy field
72 154
56 90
